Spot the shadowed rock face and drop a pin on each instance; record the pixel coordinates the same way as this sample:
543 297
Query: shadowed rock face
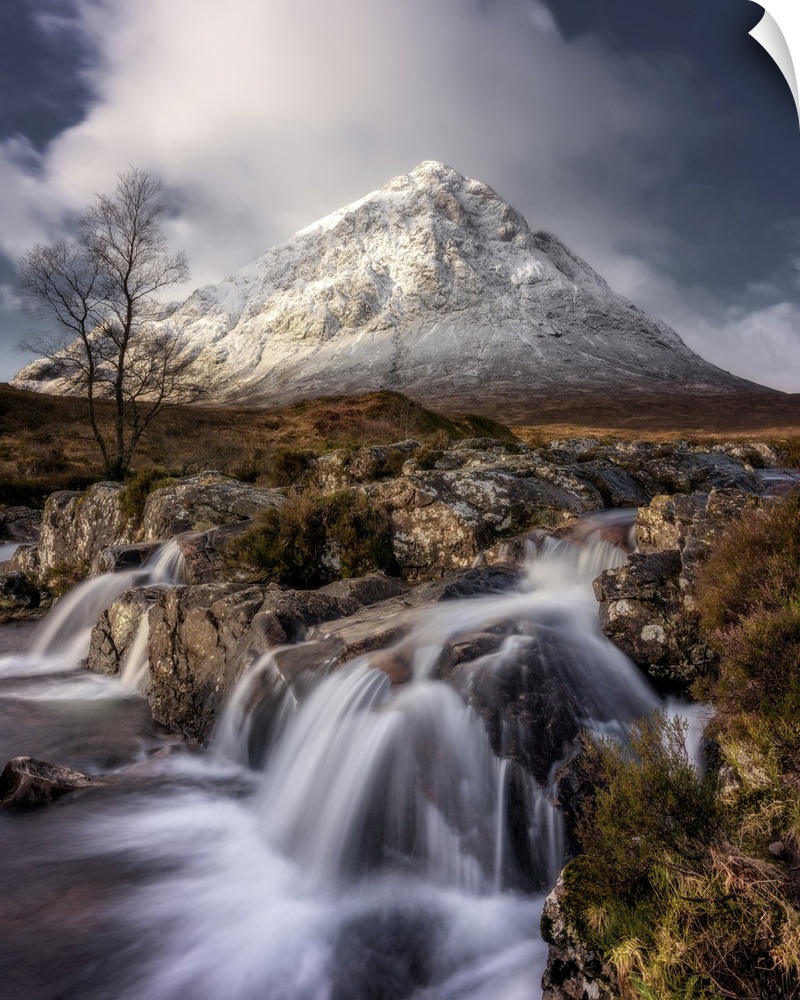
435 286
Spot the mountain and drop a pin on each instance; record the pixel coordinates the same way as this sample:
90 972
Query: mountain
434 286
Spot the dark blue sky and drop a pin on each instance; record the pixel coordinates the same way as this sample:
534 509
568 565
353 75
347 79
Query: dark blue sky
655 136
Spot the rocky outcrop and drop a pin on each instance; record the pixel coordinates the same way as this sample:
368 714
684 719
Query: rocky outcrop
202 637
647 608
201 502
351 466
94 532
574 971
441 520
76 527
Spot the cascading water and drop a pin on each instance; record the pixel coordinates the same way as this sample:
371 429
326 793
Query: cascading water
371 835
66 632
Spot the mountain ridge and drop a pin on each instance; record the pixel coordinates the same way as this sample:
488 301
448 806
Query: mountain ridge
434 286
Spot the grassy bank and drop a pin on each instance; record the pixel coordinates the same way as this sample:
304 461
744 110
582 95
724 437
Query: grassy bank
689 883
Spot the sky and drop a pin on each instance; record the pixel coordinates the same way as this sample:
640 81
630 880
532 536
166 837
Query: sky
655 137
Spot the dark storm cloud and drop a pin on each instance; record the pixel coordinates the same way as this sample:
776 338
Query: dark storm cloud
43 59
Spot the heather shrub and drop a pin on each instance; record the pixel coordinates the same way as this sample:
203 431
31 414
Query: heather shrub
312 540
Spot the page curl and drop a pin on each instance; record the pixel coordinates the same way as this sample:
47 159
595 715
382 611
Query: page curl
779 33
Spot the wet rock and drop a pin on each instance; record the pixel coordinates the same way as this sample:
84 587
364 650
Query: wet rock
18 593
26 782
20 524
116 629
351 466
202 502
204 552
194 648
118 557
617 487
574 971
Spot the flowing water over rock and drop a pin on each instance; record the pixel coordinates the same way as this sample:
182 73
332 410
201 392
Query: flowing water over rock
384 831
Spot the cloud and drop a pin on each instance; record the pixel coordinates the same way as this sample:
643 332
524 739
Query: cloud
269 115
260 118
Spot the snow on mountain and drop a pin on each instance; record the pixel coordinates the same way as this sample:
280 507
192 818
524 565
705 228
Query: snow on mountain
436 287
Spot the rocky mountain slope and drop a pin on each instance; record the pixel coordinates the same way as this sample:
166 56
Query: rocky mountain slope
435 286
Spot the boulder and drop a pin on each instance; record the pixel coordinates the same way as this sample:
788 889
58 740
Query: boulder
26 782
201 502
441 520
350 466
77 526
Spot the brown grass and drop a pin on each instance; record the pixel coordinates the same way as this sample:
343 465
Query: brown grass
46 444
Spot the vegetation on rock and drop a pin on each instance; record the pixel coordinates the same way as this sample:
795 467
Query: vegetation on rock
315 539
689 882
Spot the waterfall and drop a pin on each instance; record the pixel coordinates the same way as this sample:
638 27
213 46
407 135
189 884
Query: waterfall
67 630
135 665
384 831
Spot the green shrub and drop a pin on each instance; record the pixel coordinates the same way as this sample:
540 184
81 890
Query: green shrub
138 488
312 540
668 889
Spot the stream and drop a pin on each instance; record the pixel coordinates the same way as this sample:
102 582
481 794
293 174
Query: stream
353 841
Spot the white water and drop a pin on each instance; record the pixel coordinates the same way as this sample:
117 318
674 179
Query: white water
66 632
358 840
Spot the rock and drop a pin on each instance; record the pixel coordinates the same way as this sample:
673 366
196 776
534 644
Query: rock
194 647
117 557
642 611
201 502
574 971
18 593
20 524
365 590
647 608
26 781
202 637
442 520
349 466
203 552
76 527
116 629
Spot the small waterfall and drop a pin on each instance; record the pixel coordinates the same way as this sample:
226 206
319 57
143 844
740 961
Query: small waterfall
66 632
431 776
135 667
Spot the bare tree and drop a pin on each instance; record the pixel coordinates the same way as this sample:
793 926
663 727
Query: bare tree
97 291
